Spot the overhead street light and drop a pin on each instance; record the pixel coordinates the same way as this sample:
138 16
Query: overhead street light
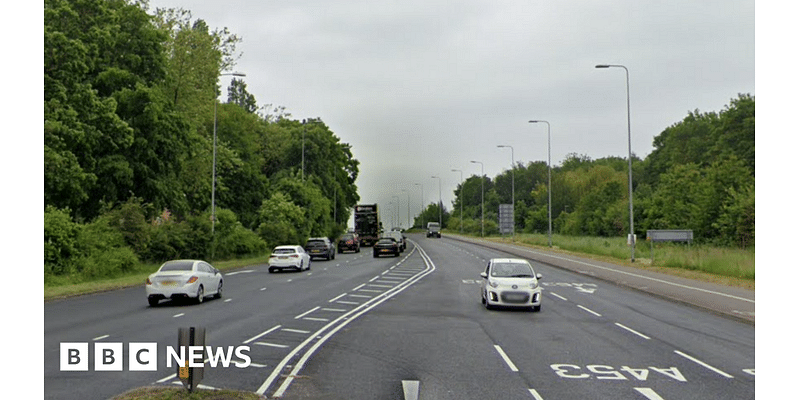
630 162
440 199
549 188
461 201
421 202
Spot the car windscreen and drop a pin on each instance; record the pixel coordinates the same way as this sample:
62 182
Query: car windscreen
177 266
512 270
283 251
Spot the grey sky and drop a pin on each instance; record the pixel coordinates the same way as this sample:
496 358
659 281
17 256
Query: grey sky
419 88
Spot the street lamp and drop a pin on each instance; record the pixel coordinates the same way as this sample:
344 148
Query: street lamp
478 162
214 169
421 202
408 208
397 211
461 200
549 191
630 167
513 204
440 199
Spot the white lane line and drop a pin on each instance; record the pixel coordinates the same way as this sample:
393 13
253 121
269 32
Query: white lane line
333 309
690 358
295 330
632 331
383 286
280 346
363 296
337 297
359 286
533 393
262 334
377 277
649 393
588 310
227 301
370 290
316 319
307 312
348 302
100 337
239 272
178 315
410 390
263 289
559 296
506 359
162 380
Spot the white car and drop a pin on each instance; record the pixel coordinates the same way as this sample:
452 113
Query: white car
289 257
511 282
176 279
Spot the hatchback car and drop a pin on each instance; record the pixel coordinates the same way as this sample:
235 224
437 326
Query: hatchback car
320 247
289 257
511 282
385 245
348 242
194 279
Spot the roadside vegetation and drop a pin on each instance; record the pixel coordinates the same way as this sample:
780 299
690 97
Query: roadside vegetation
180 393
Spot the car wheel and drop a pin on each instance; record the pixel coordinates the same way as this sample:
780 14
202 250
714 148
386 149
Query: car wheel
200 294
271 270
375 255
152 301
219 291
486 303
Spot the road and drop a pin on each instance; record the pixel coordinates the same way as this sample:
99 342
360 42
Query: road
413 327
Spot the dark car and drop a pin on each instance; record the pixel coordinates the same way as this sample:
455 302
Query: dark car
397 236
348 242
385 245
320 247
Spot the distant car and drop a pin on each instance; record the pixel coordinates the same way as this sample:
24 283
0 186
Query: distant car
386 245
434 230
176 279
348 242
320 247
289 257
398 237
511 282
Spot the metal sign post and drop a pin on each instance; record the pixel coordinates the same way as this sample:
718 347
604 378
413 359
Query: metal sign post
188 337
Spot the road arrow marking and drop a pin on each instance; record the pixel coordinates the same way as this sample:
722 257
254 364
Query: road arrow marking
411 390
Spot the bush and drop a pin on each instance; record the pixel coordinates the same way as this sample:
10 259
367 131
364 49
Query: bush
61 248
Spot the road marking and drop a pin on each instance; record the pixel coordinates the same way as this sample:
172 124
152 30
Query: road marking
263 289
227 301
370 290
178 315
359 286
410 390
632 331
295 330
239 272
316 319
162 380
262 334
337 297
377 277
362 296
649 393
559 296
506 359
280 346
101 337
533 393
588 310
690 358
334 309
307 312
383 286
348 302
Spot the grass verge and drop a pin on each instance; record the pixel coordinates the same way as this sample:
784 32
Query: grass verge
180 393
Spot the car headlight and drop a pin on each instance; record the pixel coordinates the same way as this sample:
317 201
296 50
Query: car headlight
493 284
534 284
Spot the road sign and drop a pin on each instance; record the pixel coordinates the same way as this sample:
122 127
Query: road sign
190 376
506 218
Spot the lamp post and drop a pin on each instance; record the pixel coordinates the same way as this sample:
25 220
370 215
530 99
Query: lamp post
478 162
461 201
549 188
440 199
214 171
513 204
396 211
630 163
408 208
421 201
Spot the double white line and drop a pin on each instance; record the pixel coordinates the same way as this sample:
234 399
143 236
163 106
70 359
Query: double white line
333 327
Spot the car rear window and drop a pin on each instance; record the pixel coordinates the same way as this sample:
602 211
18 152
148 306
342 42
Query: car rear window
283 251
322 242
177 266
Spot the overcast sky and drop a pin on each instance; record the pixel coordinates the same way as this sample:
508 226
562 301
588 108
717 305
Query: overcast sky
419 88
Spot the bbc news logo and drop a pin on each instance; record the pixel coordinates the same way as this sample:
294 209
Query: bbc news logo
109 356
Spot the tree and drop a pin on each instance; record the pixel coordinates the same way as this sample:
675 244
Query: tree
238 94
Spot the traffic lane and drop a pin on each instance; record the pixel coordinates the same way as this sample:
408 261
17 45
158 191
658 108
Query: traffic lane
422 335
251 300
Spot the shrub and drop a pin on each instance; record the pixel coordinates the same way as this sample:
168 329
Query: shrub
61 248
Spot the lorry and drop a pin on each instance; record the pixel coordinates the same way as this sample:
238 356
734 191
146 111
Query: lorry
367 223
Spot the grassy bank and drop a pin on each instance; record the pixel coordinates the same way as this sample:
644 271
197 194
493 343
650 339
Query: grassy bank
60 287
730 266
180 393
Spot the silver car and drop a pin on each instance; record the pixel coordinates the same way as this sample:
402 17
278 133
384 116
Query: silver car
194 279
511 282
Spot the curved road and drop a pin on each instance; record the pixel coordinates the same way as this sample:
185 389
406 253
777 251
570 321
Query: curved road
413 327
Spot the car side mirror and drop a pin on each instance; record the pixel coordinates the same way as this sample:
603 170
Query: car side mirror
483 275
538 276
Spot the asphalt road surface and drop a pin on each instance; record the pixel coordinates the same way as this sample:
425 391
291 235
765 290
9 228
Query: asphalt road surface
413 327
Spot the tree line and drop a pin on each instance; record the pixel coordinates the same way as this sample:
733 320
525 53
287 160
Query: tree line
130 108
700 176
